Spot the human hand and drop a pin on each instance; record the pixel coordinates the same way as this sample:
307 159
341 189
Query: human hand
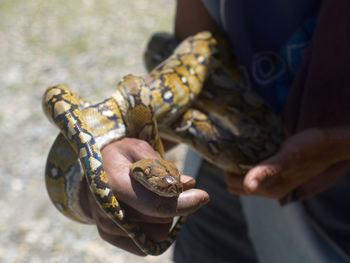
304 157
153 213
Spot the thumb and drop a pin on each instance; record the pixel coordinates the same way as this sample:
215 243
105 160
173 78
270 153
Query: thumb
264 174
190 201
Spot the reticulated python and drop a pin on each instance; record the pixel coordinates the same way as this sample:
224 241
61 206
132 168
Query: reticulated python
194 97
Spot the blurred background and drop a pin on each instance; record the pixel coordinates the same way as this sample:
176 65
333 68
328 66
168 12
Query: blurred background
88 45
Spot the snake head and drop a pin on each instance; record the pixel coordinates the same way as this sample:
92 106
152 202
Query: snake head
158 176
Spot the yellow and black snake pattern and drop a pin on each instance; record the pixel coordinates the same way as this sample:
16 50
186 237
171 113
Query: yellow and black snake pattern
194 97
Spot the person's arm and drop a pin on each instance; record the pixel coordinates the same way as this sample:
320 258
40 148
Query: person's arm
305 156
153 213
192 17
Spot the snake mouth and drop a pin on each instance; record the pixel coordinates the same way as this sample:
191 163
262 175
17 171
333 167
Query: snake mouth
170 190
159 176
171 186
174 189
167 186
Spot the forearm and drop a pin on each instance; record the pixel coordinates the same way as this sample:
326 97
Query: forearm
338 139
192 17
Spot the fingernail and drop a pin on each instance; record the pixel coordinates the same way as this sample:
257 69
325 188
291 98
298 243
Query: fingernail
253 185
187 180
205 200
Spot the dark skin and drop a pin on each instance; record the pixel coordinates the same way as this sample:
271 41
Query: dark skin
154 213
303 157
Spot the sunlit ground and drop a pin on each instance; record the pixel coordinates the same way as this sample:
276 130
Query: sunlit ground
88 45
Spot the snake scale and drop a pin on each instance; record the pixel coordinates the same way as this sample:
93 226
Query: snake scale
195 96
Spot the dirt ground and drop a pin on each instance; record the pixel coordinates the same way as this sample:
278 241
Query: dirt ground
88 45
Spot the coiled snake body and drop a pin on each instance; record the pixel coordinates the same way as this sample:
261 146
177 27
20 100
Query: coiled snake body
193 97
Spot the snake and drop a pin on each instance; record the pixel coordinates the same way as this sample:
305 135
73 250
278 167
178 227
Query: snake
195 96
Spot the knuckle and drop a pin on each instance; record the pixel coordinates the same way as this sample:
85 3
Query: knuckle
141 144
133 143
270 172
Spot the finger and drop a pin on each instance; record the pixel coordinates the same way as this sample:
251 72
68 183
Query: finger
190 201
187 182
137 149
102 219
122 242
162 210
187 202
133 193
155 231
264 174
146 202
235 183
267 182
136 216
288 168
271 183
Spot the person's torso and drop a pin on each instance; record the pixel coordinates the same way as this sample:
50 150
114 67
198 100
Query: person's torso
269 39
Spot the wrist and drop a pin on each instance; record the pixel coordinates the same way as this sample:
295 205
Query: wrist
338 139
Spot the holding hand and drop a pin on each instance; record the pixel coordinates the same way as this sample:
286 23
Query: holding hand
305 157
152 212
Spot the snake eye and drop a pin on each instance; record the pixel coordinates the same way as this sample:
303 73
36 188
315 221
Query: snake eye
147 171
